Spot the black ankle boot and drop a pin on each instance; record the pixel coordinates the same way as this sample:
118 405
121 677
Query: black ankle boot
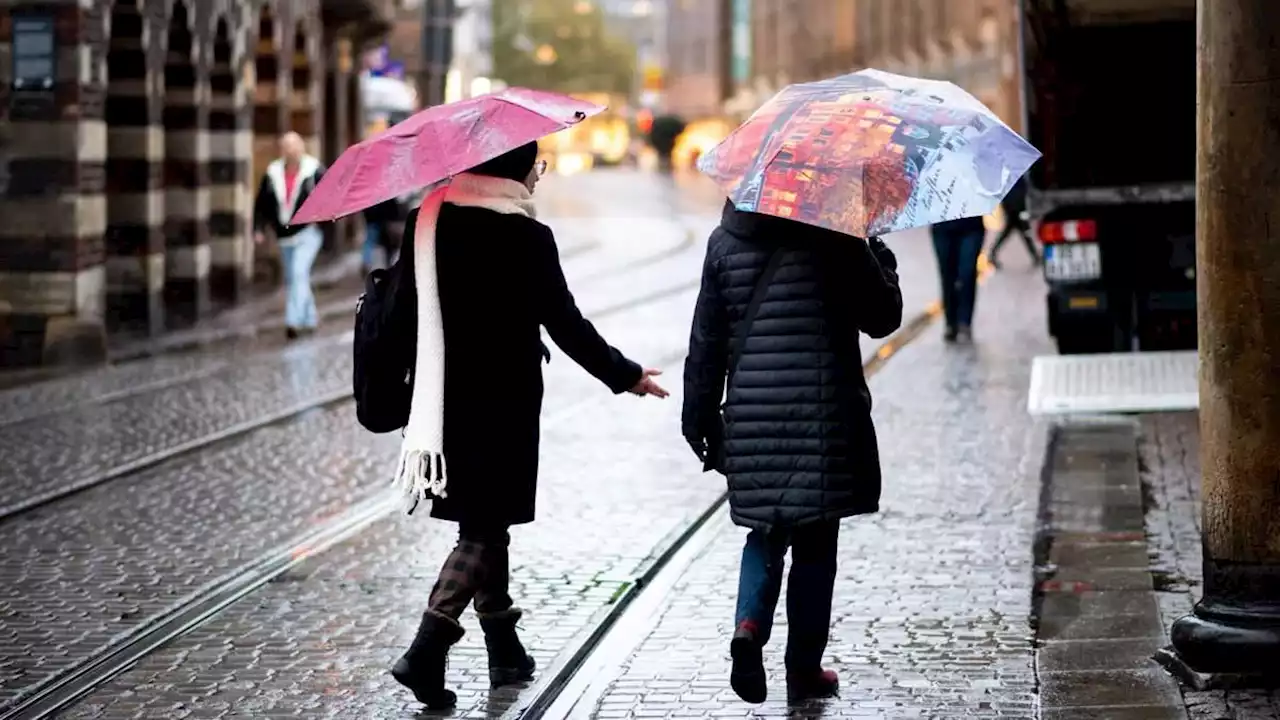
422 667
508 661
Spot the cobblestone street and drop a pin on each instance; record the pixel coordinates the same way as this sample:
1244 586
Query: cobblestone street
137 492
165 516
933 598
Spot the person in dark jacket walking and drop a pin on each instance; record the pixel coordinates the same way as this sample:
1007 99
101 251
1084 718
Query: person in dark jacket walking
1015 205
794 436
958 243
498 280
378 220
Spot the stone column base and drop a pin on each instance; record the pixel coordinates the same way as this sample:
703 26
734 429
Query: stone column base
28 341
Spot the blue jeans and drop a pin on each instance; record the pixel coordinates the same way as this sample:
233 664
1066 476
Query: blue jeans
809 587
298 254
957 253
372 241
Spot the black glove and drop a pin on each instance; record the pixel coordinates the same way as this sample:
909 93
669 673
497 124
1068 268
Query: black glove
882 253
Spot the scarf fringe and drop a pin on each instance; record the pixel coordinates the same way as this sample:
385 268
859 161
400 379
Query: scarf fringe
421 476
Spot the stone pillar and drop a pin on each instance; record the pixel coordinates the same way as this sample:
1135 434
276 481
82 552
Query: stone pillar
53 146
1236 626
269 116
186 171
230 161
338 133
306 71
135 166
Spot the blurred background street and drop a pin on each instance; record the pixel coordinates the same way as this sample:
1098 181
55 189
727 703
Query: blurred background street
193 524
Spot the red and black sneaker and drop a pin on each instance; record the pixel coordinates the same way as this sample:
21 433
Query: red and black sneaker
747 677
812 686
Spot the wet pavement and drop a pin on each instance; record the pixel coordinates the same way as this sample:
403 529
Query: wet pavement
89 570
1169 449
932 605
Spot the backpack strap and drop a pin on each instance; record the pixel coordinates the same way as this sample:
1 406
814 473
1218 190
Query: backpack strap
753 308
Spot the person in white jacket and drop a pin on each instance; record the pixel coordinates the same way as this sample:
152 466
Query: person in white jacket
285 186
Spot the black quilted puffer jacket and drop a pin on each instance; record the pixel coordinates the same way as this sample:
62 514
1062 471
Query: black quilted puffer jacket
794 435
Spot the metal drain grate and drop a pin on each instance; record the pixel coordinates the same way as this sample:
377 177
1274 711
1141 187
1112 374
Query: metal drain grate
1114 383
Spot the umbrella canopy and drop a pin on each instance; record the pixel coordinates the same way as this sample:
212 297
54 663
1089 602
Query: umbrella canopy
870 153
436 144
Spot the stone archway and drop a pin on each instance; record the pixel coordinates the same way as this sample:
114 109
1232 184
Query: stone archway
230 160
186 170
134 241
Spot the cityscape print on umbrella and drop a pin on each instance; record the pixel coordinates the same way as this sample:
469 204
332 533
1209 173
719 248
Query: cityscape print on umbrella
860 156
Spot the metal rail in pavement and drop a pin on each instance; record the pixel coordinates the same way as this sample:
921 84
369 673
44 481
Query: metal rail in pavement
326 400
580 678
63 691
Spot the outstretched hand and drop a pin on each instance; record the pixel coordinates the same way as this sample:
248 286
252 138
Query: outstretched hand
648 386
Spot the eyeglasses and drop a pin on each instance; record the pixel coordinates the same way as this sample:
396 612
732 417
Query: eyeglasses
540 168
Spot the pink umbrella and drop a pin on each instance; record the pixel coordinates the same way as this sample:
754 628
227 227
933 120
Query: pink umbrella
436 144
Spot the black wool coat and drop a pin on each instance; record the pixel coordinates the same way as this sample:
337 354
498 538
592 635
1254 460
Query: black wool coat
794 436
500 281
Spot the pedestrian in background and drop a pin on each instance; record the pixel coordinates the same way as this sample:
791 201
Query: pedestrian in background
285 186
777 321
1015 207
482 276
958 243
380 222
378 233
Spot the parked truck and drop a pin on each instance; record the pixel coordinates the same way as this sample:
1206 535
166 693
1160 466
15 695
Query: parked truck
1110 100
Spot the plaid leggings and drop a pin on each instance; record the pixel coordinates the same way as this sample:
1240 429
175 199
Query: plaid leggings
479 569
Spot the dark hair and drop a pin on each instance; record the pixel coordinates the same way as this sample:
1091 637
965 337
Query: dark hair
512 165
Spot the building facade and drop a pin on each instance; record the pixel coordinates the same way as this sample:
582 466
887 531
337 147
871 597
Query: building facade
422 38
132 136
698 56
729 56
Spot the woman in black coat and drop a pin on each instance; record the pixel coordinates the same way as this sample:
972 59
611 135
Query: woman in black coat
794 436
499 281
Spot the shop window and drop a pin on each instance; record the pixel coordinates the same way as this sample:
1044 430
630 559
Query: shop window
34 52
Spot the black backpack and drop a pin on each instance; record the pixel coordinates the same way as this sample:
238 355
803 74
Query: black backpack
384 348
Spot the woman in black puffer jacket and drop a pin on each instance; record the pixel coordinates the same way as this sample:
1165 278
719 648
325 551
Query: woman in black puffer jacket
794 437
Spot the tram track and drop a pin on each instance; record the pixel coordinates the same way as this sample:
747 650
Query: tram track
567 687
585 669
61 691
571 683
336 306
325 400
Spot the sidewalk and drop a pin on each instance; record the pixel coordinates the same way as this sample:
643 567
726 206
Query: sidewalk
1169 448
338 278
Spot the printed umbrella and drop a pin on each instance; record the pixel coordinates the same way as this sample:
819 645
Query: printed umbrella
436 144
870 153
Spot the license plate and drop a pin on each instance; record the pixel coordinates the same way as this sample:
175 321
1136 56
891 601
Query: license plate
1072 261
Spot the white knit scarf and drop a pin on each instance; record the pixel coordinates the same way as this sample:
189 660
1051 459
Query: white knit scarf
422 472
